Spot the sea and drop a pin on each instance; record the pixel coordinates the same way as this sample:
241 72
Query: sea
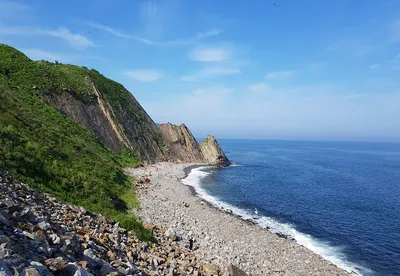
339 199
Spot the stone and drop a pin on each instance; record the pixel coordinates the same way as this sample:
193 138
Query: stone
31 236
56 264
235 271
43 225
170 234
73 270
43 271
211 268
30 272
5 269
3 220
91 258
54 239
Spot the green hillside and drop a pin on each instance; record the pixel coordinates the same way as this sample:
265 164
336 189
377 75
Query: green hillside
49 151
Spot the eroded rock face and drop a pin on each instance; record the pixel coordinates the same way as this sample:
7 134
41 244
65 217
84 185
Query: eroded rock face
212 152
179 144
112 125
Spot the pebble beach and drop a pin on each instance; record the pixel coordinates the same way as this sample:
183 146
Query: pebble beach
220 237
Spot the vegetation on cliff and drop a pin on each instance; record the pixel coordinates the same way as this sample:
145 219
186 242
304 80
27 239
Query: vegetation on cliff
49 151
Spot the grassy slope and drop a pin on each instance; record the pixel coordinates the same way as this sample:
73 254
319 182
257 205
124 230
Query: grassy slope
51 152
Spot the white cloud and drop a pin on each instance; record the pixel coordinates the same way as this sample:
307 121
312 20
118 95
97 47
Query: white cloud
279 75
119 33
259 88
211 32
210 54
76 40
177 41
374 66
144 75
38 54
211 72
10 9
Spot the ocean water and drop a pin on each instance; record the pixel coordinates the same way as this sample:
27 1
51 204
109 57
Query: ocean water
339 199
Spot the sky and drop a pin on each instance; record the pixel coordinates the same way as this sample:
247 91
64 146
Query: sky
262 69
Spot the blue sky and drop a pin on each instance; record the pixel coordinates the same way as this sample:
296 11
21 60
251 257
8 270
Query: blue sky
308 69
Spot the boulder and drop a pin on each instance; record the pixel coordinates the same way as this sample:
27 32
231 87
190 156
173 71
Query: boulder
170 234
4 269
73 270
4 220
233 270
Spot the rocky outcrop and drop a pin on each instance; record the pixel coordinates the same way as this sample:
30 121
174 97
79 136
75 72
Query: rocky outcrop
212 152
180 144
112 125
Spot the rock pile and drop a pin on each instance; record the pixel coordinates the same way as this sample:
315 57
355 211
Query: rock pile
42 236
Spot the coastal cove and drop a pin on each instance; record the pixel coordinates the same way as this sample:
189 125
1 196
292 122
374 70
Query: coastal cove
220 237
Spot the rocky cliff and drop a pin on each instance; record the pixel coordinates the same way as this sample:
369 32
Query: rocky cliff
179 144
115 121
212 152
105 108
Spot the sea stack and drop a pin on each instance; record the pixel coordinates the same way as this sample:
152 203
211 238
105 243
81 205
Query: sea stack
213 153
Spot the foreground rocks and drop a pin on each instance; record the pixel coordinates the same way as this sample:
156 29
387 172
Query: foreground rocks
42 236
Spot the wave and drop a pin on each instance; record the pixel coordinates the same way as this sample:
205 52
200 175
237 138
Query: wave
327 251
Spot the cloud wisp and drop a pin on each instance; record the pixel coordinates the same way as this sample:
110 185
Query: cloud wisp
211 72
179 41
210 54
75 40
144 75
279 75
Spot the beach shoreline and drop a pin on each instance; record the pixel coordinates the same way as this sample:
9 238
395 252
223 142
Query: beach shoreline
221 237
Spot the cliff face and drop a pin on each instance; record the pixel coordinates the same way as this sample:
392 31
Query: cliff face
212 152
105 108
115 121
179 144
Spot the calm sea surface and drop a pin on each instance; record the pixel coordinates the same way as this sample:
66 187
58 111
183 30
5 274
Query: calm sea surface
340 199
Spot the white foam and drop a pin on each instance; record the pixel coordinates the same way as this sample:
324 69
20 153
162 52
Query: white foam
331 253
235 165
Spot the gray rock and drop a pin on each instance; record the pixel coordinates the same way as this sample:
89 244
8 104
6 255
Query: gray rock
122 270
233 270
31 271
73 270
4 220
31 236
92 260
54 239
4 269
43 225
170 234
107 269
